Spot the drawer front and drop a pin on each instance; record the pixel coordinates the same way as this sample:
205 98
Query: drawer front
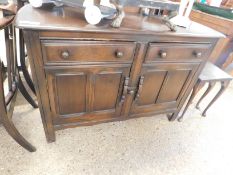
174 51
87 51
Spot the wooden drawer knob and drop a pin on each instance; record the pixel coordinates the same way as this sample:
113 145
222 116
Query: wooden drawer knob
119 54
65 54
198 54
163 54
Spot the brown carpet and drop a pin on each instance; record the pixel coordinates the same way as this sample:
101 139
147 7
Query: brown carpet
145 146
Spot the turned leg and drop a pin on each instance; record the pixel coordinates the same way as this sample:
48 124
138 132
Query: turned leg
196 89
224 85
210 87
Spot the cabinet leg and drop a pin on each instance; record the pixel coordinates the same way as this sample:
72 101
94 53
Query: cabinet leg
196 89
51 137
49 132
210 87
224 85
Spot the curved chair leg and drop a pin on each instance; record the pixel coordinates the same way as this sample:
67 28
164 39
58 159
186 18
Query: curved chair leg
25 93
7 122
23 64
210 87
20 84
224 85
14 133
196 89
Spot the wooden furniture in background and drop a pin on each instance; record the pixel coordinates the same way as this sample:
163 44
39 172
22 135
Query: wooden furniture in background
7 103
87 74
227 3
223 49
211 74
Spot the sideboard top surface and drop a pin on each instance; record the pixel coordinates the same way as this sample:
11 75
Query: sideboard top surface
70 19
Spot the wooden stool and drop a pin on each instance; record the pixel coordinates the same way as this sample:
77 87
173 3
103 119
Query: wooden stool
7 102
211 74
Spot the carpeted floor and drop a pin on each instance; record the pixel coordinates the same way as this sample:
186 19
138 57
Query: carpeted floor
145 146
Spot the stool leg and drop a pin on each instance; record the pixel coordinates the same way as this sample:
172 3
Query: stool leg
210 87
196 89
224 85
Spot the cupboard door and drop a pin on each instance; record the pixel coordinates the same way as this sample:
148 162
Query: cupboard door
161 86
87 93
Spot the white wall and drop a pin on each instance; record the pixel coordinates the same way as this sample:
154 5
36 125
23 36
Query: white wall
2 47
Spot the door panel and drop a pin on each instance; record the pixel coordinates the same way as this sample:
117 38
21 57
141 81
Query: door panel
162 87
86 93
172 86
106 90
150 91
70 102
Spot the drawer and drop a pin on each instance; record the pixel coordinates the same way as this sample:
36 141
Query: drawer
55 51
175 51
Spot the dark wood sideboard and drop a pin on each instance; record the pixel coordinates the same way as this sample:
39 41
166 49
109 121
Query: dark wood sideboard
87 74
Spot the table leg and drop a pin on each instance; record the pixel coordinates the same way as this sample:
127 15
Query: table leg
224 85
210 87
196 89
